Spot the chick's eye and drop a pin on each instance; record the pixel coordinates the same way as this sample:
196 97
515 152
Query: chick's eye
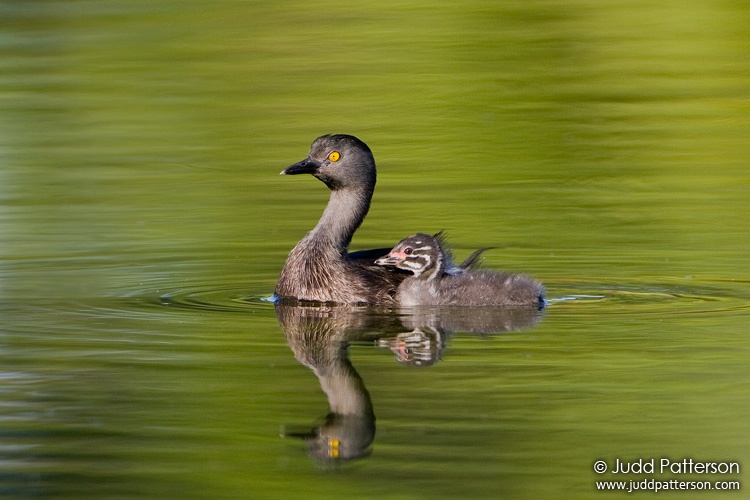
334 156
408 250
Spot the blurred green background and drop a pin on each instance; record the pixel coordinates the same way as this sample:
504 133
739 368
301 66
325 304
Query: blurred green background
601 147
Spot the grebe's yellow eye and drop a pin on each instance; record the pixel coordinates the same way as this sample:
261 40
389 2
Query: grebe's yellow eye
334 156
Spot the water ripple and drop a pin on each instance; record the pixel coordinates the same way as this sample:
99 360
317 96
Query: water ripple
204 298
622 298
652 298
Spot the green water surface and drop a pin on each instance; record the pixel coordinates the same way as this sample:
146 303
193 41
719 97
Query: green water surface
601 147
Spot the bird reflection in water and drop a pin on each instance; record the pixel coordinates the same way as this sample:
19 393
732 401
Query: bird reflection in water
320 336
419 347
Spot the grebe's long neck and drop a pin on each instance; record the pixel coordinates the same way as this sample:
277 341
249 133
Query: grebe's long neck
342 216
317 267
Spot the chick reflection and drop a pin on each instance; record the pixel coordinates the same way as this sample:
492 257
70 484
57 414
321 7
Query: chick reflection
419 347
319 336
429 329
